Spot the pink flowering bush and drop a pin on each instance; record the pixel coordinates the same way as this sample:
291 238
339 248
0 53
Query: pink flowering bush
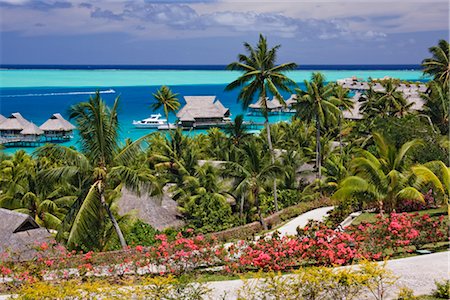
397 233
316 244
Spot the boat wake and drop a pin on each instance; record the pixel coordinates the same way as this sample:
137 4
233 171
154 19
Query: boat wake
110 91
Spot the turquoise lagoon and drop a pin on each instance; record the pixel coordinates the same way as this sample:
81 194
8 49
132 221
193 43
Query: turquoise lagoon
37 93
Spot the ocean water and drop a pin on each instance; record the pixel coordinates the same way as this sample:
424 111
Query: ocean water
38 93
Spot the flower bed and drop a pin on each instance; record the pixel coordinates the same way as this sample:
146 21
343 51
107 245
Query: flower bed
316 244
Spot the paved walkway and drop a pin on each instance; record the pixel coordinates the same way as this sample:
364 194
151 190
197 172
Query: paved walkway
417 273
290 228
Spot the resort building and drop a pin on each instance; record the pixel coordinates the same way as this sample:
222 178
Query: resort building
20 234
31 133
12 126
57 128
411 92
273 106
203 112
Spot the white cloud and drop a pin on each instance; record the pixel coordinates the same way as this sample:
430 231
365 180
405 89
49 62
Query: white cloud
363 20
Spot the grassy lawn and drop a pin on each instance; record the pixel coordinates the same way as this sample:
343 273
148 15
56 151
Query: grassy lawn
371 217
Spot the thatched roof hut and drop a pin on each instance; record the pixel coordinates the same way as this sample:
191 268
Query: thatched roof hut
202 109
160 213
271 104
20 234
14 123
57 123
31 129
2 118
292 100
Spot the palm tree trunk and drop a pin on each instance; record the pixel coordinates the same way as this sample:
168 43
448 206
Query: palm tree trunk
272 155
340 135
318 149
112 218
241 207
261 219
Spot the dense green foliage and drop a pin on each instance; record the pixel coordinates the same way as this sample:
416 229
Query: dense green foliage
222 179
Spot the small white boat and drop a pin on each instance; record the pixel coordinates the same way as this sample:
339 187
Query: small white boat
165 127
153 122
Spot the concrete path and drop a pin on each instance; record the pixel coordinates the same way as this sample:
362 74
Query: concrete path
417 273
290 228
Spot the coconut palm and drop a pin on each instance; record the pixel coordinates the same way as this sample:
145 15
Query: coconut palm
344 102
23 190
437 174
174 157
437 103
261 77
383 178
109 168
314 104
237 131
166 99
389 102
438 65
252 172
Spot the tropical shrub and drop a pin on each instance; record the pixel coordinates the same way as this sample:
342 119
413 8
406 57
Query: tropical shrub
209 213
411 205
316 283
142 234
286 198
442 289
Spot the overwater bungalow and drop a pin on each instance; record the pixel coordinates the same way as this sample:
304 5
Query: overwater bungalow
203 112
31 133
13 125
57 128
273 106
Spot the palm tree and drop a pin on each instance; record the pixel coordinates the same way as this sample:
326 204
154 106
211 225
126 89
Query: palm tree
237 131
109 167
261 77
384 179
344 102
176 157
23 190
315 104
437 103
438 65
389 102
166 99
438 174
251 173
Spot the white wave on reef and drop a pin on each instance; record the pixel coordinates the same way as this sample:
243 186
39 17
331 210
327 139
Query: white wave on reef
110 91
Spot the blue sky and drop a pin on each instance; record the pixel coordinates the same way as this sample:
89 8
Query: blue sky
212 32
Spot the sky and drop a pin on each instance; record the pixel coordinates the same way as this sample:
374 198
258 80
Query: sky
192 32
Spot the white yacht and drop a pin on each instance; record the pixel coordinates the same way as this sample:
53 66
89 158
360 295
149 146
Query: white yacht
165 127
153 122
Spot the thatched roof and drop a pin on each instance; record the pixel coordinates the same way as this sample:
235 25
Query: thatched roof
14 122
354 113
2 118
292 100
202 107
57 123
20 234
31 129
271 104
160 213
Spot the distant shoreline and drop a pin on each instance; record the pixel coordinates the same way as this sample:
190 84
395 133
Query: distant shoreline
411 67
